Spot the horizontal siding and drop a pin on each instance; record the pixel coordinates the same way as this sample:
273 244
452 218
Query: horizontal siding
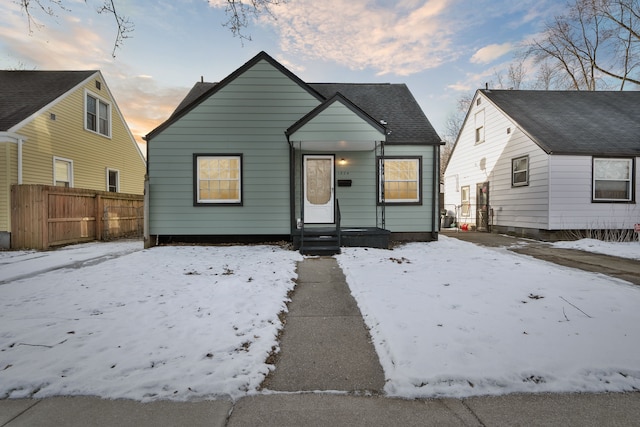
248 116
490 160
571 206
358 205
414 218
337 123
358 202
91 153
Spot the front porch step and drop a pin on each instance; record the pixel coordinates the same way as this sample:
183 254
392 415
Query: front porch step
320 250
367 237
320 242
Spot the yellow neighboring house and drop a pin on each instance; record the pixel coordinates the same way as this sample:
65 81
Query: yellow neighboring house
63 128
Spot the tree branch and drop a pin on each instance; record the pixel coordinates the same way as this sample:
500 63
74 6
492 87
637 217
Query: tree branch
125 26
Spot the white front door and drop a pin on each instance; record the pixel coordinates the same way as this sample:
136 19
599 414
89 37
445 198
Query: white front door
318 189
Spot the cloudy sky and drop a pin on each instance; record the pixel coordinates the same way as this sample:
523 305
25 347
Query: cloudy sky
440 48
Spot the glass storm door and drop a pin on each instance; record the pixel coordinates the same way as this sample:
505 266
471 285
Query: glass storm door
318 189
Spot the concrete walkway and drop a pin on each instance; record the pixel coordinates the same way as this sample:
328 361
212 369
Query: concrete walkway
325 348
325 344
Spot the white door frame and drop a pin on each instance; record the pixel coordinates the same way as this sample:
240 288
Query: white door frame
319 213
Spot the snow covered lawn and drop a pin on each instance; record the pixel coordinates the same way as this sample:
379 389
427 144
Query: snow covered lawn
170 322
448 318
454 319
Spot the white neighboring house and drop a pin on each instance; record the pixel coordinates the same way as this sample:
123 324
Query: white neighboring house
536 163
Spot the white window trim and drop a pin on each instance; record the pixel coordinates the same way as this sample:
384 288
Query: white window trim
513 172
465 205
629 180
382 179
109 112
70 162
117 178
234 202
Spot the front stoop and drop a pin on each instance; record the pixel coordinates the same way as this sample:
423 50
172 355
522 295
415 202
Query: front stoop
320 242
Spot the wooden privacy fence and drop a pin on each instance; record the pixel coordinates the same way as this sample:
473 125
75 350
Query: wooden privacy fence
43 216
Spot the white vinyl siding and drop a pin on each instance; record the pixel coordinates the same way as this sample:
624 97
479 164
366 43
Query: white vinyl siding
560 191
571 206
472 164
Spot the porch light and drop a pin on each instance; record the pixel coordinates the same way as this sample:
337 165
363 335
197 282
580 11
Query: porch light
342 162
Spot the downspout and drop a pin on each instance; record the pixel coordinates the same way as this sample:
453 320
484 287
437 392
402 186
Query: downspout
435 216
292 186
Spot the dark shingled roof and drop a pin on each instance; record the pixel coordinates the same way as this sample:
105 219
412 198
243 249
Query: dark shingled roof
392 103
196 91
575 122
23 93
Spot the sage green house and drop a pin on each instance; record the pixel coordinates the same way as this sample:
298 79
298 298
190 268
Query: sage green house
264 156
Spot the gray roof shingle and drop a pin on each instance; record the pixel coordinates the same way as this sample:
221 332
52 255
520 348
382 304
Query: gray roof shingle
575 122
392 103
23 93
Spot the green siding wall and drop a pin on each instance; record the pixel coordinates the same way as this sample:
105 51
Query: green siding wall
358 202
412 218
248 116
337 123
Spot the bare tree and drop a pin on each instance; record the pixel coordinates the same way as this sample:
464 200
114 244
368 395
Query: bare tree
515 78
596 44
453 125
238 12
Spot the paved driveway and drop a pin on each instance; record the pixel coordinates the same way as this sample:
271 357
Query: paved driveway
622 268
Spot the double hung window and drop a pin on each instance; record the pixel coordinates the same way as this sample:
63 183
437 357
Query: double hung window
218 179
113 180
62 172
520 171
613 180
399 181
98 115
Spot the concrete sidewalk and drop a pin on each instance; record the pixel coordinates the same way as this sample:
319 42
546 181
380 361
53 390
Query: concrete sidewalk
325 346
